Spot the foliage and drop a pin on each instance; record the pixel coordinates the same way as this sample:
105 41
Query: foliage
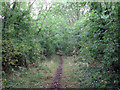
100 40
87 29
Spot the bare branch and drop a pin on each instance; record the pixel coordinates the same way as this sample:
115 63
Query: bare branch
44 19
31 4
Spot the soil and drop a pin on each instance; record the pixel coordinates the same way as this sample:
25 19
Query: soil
56 82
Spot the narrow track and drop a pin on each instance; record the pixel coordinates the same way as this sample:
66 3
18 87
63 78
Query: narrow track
56 82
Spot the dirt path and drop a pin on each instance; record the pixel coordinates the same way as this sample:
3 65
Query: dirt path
56 82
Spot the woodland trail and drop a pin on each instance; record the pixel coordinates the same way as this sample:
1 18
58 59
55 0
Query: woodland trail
56 82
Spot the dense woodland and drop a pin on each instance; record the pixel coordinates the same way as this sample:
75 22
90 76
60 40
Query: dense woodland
85 33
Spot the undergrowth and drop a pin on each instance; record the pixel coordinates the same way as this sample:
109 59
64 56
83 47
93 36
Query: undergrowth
39 75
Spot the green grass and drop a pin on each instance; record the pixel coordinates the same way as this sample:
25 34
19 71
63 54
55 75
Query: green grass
69 80
36 77
42 76
77 73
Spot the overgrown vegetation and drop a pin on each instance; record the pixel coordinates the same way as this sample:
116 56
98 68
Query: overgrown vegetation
35 31
39 75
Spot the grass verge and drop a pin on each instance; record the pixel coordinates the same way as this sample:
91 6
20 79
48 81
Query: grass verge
39 75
